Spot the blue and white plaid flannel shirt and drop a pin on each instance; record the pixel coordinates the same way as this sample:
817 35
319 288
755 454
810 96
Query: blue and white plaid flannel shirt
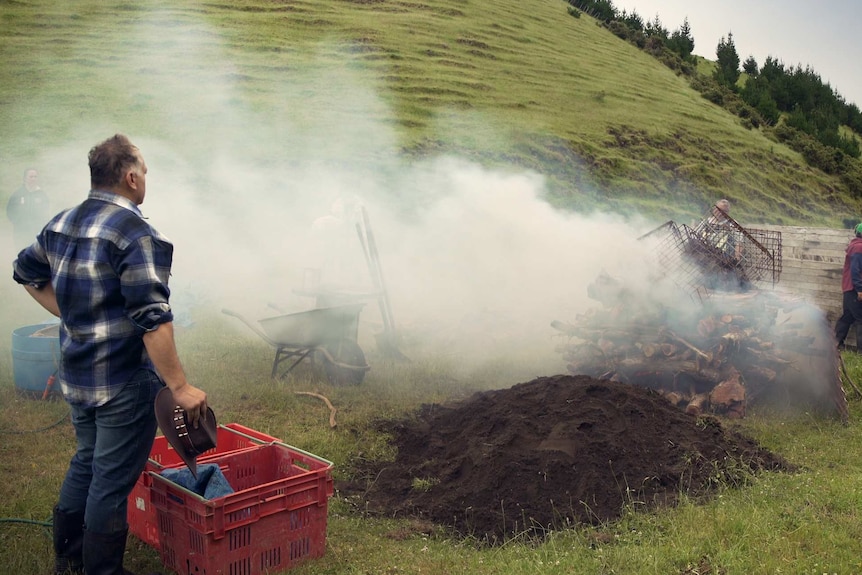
110 271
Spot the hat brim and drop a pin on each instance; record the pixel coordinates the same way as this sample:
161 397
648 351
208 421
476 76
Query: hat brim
203 438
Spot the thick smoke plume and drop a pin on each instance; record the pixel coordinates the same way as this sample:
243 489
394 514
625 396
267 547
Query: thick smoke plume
273 188
470 255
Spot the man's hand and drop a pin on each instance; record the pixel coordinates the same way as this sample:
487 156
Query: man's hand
194 401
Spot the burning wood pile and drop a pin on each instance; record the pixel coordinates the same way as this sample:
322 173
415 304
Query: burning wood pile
718 357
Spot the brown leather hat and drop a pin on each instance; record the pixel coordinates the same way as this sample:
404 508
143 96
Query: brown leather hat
184 438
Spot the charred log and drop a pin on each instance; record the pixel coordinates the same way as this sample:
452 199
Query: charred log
719 358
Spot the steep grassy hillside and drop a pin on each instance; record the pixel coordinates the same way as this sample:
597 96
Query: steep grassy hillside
502 83
245 108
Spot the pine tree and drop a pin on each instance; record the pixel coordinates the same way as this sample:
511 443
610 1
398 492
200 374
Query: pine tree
685 34
727 72
681 41
656 29
750 67
633 20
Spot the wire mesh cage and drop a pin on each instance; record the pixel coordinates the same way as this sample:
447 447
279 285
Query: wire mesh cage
717 254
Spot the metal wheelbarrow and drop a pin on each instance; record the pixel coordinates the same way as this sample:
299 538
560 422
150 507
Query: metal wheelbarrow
327 332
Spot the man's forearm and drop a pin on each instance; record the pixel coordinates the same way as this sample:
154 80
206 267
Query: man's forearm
163 353
45 296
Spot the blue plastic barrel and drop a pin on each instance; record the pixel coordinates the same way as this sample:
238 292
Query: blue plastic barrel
36 356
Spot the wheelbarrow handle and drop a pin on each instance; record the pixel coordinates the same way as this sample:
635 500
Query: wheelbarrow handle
251 326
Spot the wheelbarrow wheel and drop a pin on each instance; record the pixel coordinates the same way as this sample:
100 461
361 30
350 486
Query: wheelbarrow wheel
344 362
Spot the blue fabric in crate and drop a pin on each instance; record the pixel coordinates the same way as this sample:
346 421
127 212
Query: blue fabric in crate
210 484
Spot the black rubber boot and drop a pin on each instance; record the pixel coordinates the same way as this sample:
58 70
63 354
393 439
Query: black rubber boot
103 553
68 543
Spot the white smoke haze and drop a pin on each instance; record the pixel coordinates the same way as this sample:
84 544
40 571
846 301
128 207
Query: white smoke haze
476 263
488 259
469 254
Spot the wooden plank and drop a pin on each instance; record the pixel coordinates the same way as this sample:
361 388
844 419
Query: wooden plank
814 238
797 267
813 288
811 263
829 250
806 231
810 276
809 282
812 266
813 255
826 292
808 252
807 272
811 237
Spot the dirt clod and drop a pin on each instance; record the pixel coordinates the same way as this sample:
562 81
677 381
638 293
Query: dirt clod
549 454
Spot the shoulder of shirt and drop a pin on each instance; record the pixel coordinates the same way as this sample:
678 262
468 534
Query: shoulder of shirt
117 213
115 199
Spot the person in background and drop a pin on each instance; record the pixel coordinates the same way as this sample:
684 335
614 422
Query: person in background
719 210
724 240
851 286
28 209
103 270
719 232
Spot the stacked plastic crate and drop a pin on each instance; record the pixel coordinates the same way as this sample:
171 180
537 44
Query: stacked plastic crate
274 519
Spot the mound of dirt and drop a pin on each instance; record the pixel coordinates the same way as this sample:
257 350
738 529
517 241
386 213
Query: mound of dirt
549 454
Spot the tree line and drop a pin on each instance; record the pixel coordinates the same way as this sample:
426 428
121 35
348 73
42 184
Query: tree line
803 112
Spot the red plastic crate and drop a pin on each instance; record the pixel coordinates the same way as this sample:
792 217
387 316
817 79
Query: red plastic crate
141 514
275 519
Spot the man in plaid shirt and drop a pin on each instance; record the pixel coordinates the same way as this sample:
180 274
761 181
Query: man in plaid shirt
103 270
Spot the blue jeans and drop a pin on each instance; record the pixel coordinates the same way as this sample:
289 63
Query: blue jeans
114 442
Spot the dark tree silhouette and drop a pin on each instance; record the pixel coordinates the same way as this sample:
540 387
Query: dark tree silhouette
750 66
727 71
681 41
813 112
603 10
655 29
633 20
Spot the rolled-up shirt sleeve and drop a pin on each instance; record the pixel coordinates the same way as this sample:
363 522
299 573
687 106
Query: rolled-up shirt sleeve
145 268
32 267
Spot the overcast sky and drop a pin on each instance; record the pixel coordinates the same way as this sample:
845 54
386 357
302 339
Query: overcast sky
825 35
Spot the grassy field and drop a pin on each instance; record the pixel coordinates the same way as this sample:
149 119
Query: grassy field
802 522
253 110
